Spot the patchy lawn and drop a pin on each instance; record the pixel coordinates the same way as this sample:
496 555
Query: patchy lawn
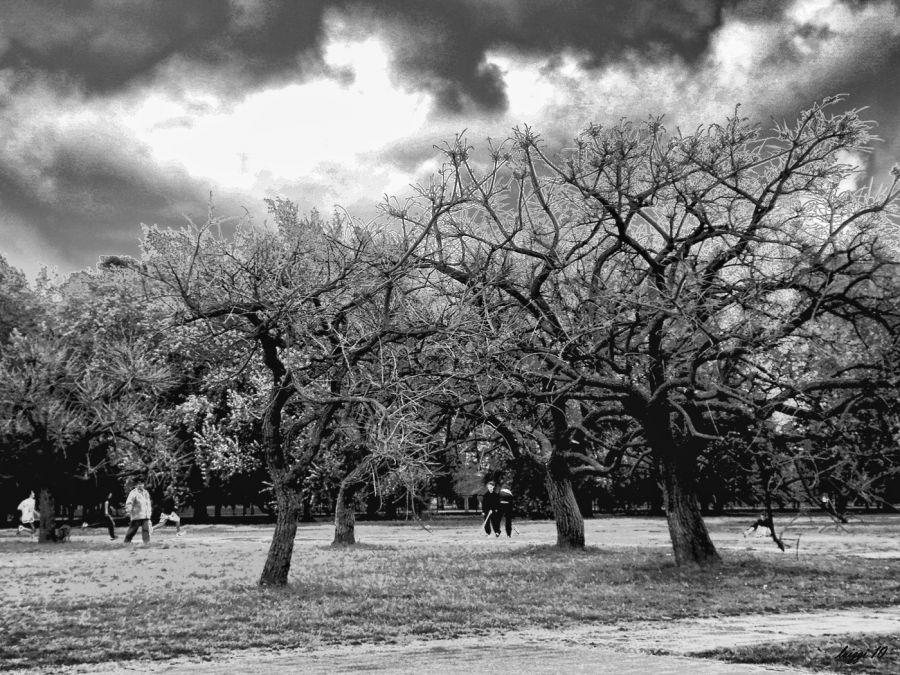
92 601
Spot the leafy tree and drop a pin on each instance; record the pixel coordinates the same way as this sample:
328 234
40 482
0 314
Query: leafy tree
79 394
20 307
312 304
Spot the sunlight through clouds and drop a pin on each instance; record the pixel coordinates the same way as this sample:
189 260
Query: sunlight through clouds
121 114
286 132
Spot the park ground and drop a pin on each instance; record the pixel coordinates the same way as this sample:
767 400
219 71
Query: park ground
449 599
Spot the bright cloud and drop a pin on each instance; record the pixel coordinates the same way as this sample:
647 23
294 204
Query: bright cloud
285 132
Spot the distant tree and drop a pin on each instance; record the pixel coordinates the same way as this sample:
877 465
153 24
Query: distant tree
79 394
20 307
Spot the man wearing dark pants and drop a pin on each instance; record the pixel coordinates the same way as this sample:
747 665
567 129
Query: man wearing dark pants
506 509
490 507
108 515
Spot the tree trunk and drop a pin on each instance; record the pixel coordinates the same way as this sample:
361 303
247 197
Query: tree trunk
47 509
569 522
690 538
278 560
344 517
765 473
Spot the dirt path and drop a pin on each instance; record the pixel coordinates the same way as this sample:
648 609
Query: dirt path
639 647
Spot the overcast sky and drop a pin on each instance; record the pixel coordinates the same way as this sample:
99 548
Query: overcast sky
114 114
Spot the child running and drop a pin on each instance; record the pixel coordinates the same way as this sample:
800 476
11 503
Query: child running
27 515
170 515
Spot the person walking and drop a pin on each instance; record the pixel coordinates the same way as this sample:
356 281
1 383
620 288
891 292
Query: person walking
27 515
109 516
490 507
138 509
506 509
170 515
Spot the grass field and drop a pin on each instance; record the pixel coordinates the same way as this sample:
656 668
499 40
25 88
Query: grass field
92 601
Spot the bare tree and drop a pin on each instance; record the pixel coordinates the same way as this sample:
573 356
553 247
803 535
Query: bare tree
655 278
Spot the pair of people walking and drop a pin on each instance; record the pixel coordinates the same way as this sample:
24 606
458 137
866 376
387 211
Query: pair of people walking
496 507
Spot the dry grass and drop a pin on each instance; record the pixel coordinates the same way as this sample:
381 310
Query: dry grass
92 601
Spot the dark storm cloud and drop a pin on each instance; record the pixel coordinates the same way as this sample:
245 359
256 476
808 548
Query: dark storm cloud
442 47
91 193
439 47
105 45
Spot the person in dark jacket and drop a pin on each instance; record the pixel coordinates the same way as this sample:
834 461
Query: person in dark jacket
109 518
506 509
490 507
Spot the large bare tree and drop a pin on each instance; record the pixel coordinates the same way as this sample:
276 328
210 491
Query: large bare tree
655 279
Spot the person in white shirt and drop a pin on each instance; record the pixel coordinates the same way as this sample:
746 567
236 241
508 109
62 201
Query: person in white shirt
28 514
139 510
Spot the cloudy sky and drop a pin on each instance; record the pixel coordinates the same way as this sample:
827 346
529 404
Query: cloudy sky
115 113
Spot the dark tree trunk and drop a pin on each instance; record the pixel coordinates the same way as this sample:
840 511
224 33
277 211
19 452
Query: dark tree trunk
676 462
569 522
765 473
690 538
344 516
278 560
47 509
287 497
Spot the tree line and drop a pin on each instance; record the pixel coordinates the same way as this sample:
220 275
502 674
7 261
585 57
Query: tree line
707 316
